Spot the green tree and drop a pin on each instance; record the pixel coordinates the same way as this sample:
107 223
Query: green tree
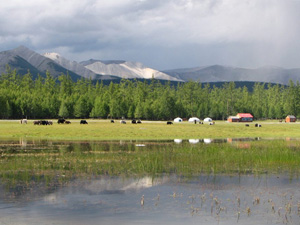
63 110
81 108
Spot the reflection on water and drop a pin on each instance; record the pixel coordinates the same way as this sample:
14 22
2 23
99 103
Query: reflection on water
167 200
194 141
178 141
227 140
93 182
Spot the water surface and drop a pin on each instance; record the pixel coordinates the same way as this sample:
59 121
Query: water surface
54 182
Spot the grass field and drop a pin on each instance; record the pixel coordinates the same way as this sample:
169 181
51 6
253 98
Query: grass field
148 130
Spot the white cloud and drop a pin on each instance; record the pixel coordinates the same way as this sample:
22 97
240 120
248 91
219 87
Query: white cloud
133 28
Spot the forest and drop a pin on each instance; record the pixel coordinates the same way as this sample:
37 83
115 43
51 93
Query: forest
48 97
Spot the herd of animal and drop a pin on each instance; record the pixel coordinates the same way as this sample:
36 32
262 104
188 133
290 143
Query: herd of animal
256 125
124 122
63 121
50 122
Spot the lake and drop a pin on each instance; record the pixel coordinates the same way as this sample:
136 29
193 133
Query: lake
201 181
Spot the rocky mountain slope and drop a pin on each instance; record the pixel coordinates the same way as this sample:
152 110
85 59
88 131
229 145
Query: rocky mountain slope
125 69
23 60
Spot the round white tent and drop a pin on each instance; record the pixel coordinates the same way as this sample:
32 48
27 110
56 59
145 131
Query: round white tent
193 119
177 120
208 119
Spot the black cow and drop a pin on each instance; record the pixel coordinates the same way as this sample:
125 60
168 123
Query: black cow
169 123
247 125
61 121
139 121
133 121
44 122
37 122
112 121
83 122
67 122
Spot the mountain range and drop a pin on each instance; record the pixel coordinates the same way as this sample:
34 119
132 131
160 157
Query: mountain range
23 60
218 73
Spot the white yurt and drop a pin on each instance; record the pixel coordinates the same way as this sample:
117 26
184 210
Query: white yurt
193 119
207 119
177 120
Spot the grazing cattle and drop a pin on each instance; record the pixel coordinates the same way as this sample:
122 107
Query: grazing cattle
256 125
213 123
37 122
122 122
112 121
83 122
44 122
259 125
133 121
61 121
139 121
280 121
169 123
67 122
247 125
23 121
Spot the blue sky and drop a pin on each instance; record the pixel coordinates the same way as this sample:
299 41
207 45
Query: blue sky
163 34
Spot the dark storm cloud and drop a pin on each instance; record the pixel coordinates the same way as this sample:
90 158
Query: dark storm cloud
163 34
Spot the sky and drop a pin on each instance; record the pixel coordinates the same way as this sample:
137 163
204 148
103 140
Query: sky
162 34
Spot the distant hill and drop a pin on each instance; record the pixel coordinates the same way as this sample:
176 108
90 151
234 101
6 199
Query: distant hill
39 64
218 73
17 63
23 60
125 69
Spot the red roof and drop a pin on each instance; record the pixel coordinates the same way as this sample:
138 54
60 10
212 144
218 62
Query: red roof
242 115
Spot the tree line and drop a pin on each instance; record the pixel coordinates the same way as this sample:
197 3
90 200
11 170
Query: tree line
48 97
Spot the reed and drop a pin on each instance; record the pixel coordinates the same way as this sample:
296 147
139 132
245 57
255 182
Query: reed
61 161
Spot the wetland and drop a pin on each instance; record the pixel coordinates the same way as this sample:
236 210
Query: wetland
172 181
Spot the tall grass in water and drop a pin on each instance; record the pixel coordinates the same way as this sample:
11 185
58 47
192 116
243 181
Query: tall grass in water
61 161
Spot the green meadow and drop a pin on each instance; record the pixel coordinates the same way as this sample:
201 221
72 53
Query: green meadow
62 151
148 130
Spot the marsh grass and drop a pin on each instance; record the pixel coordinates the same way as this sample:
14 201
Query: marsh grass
62 161
104 130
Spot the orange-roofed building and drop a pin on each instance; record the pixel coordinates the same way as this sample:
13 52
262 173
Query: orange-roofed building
233 119
245 117
290 119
